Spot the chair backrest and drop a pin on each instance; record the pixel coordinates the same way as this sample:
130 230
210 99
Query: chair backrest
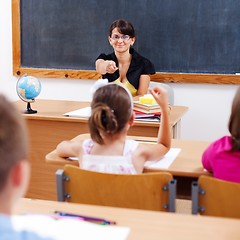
214 197
167 87
150 191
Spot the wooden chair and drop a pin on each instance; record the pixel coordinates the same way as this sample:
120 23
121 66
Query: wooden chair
214 197
150 191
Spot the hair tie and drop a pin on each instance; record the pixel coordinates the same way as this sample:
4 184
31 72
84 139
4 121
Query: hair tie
104 118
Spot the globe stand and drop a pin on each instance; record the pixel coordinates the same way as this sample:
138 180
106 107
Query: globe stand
28 88
29 110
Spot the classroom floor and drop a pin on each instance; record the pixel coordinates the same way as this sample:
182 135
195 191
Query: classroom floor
183 206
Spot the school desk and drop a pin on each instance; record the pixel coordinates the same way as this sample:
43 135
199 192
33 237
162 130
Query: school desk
186 168
187 163
145 224
48 127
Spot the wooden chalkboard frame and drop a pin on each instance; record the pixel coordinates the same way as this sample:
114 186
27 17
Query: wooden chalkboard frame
18 70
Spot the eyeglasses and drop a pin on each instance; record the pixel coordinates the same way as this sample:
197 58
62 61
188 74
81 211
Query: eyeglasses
124 37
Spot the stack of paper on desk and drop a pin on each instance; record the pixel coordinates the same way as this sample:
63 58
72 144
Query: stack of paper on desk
165 161
67 228
82 113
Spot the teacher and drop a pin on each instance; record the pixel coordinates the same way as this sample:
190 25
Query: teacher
125 66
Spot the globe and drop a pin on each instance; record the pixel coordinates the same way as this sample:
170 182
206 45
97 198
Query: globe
28 88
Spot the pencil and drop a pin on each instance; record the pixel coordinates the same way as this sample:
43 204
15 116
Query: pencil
86 218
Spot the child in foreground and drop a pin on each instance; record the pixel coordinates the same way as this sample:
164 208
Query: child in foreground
14 169
14 179
222 157
109 150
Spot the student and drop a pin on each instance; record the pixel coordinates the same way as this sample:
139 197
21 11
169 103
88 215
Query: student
222 157
14 179
14 168
125 66
109 150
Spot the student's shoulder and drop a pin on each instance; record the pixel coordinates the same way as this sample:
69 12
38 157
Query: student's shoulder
11 228
223 143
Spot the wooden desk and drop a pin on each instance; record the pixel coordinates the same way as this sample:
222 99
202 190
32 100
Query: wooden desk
144 224
187 163
53 110
187 166
49 127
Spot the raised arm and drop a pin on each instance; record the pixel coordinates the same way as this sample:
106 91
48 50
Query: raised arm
147 152
161 97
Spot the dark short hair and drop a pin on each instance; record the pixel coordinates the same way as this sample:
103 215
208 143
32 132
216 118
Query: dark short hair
234 122
13 138
124 27
111 110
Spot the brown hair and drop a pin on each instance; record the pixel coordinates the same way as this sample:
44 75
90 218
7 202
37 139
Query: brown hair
111 110
124 27
234 122
13 139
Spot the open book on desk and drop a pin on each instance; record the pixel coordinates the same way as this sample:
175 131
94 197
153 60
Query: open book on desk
81 113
